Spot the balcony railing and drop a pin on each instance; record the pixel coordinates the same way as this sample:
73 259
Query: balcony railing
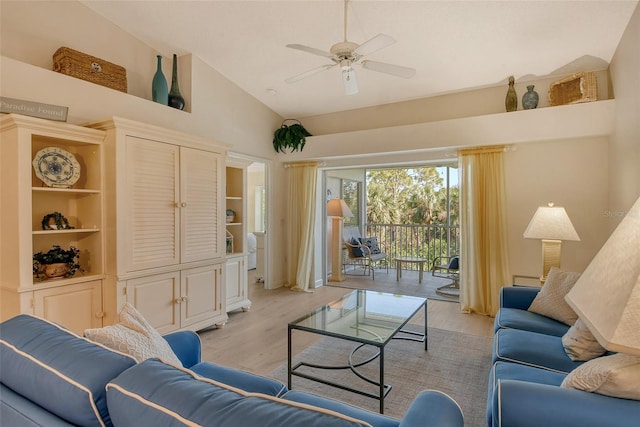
418 240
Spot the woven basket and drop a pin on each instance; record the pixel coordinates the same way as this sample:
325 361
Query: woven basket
90 68
579 87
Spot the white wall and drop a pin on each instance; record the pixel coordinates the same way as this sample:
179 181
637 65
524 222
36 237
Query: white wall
624 156
572 174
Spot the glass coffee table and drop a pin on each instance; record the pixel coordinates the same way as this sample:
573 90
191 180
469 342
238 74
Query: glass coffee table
367 318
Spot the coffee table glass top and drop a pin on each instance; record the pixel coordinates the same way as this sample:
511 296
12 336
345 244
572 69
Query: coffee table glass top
364 316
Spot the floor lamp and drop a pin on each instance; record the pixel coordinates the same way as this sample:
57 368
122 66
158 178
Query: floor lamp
552 225
339 210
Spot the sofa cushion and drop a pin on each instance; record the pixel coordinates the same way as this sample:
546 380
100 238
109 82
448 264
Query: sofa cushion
16 410
533 349
617 375
515 318
550 300
580 344
135 336
501 371
58 370
246 381
372 418
153 393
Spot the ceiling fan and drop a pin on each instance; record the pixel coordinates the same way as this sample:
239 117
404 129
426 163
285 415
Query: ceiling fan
346 54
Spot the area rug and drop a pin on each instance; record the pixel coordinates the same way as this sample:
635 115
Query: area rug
407 285
456 363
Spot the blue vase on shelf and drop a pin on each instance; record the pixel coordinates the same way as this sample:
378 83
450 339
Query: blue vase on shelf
159 88
530 99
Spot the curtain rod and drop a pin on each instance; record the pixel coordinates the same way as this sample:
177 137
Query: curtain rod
484 149
302 164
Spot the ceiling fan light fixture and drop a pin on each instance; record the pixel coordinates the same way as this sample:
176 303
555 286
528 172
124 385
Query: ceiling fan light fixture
345 65
349 80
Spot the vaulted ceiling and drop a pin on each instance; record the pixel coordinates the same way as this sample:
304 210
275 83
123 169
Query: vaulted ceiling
452 45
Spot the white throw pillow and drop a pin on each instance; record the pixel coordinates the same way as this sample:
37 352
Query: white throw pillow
617 375
580 344
550 300
134 336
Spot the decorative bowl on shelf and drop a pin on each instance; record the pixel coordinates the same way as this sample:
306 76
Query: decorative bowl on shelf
57 262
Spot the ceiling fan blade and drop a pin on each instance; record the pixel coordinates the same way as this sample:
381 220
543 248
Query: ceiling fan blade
349 80
374 44
394 70
311 50
309 73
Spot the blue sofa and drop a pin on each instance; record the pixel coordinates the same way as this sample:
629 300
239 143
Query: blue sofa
529 364
50 376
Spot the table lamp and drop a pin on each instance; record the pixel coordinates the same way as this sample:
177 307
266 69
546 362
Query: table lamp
338 209
607 295
552 225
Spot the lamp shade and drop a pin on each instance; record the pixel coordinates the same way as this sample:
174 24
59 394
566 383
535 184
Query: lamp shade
551 223
337 207
607 295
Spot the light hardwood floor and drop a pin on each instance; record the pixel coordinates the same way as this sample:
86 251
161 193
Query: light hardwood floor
256 340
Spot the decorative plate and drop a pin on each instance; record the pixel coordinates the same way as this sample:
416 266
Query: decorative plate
56 167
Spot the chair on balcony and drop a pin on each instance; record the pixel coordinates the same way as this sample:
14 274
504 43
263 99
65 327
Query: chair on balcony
447 267
364 252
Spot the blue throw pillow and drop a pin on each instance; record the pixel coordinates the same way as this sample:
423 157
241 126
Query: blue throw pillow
355 250
372 244
454 264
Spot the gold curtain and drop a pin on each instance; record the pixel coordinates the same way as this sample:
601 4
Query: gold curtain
302 216
484 254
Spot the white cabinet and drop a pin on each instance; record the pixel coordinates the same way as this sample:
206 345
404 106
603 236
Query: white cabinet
237 292
74 301
187 299
171 204
166 246
77 306
236 283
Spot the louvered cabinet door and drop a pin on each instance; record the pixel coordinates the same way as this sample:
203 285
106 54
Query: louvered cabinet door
200 202
152 204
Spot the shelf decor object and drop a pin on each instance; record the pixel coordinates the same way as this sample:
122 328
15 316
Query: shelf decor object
56 167
159 89
231 215
530 98
579 87
552 225
175 97
55 221
511 100
90 68
57 262
229 242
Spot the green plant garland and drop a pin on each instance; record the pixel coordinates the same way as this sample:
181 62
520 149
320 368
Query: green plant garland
55 255
292 136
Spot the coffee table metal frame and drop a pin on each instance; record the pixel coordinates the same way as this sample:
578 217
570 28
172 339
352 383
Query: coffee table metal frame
361 334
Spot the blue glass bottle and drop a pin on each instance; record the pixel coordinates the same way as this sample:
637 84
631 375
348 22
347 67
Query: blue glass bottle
159 89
